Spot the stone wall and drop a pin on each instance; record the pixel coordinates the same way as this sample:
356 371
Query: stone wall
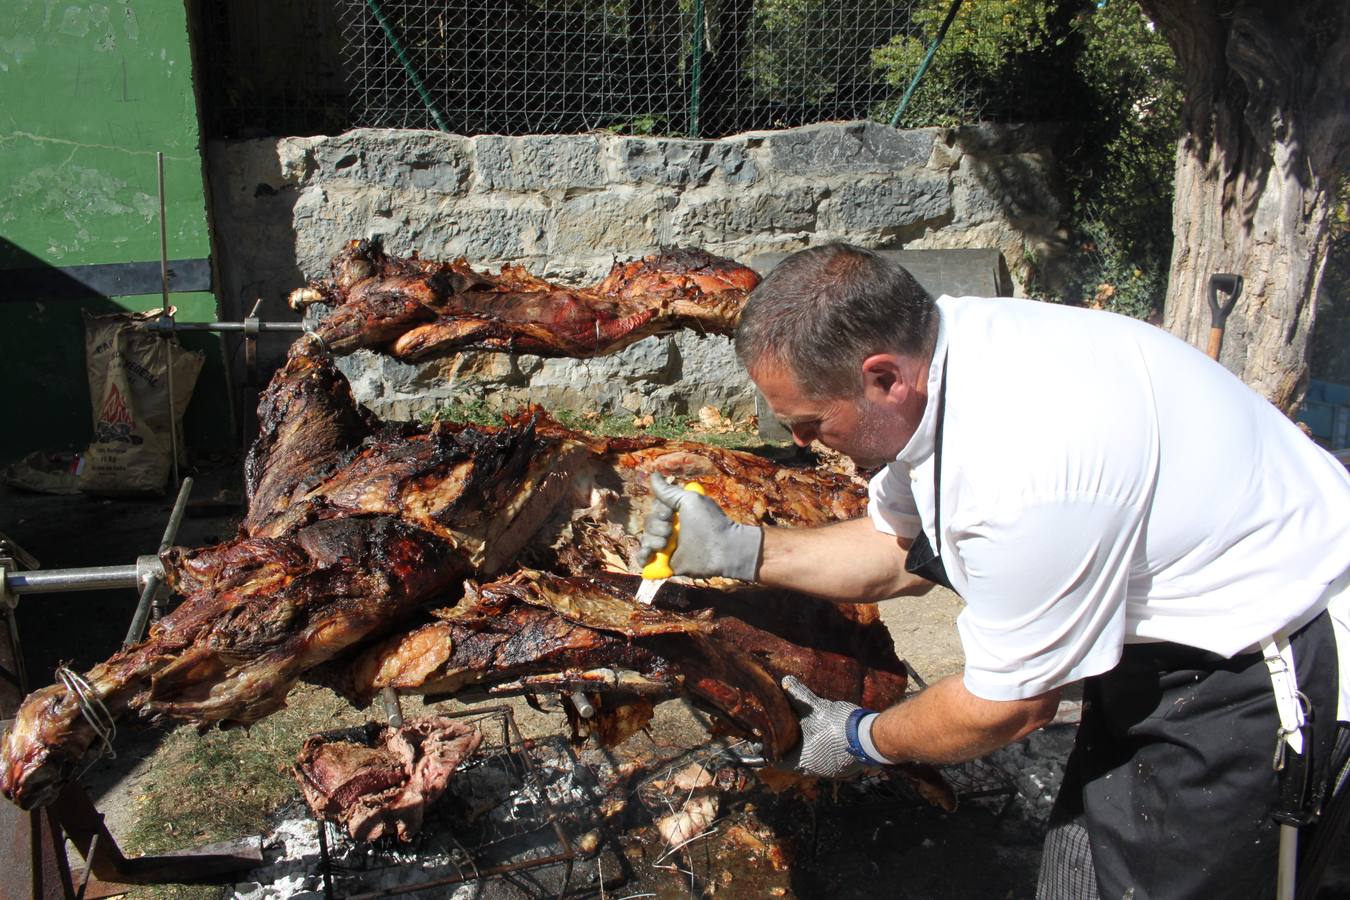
568 206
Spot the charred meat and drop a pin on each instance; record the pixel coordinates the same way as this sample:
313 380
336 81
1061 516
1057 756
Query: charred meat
416 308
379 781
356 529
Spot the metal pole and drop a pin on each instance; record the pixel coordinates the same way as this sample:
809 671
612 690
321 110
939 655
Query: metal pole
927 60
153 583
175 325
93 578
407 63
164 286
696 69
1288 862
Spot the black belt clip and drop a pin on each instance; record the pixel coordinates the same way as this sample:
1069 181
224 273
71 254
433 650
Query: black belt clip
1297 806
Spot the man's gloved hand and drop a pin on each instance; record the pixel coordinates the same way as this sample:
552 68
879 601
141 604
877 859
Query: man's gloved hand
709 543
831 745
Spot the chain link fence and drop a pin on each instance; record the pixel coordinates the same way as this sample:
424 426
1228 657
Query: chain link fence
663 67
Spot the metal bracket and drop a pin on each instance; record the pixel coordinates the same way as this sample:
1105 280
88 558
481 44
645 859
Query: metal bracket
8 599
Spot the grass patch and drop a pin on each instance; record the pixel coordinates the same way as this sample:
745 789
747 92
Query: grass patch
710 427
222 785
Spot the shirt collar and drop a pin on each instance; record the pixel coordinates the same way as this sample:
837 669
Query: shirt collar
922 443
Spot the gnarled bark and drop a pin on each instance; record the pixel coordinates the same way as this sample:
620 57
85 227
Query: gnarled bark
1266 122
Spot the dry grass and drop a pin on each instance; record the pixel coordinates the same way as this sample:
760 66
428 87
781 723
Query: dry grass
222 785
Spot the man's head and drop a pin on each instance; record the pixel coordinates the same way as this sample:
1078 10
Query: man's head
839 341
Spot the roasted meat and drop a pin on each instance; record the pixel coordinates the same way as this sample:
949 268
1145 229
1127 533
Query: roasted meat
379 781
727 650
335 560
356 529
417 308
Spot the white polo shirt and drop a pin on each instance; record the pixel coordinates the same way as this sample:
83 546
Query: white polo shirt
1105 483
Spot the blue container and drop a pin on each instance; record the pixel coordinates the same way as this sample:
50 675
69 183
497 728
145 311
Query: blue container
1326 412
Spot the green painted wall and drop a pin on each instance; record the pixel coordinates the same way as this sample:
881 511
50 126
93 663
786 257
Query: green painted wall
88 93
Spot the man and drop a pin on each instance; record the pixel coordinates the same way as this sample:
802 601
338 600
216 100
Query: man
1115 508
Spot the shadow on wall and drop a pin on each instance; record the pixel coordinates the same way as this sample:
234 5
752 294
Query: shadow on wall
42 342
1010 175
45 385
254 244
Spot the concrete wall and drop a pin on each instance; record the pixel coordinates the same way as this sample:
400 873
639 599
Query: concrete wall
88 93
568 206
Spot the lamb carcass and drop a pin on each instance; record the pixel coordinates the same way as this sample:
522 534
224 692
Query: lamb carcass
354 528
416 308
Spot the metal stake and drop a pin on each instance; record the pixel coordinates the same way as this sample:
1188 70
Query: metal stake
156 579
164 287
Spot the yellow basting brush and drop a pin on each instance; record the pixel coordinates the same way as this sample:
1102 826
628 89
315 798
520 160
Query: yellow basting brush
656 572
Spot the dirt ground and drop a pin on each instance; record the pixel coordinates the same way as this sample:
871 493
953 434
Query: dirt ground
868 846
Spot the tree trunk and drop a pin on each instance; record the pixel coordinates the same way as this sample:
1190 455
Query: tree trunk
1265 123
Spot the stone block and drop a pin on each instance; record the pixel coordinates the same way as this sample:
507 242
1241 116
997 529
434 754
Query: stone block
988 188
552 162
503 231
618 223
882 204
718 216
667 162
732 160
825 150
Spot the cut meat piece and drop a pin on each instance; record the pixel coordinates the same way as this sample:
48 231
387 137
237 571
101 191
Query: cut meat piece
380 781
418 308
307 420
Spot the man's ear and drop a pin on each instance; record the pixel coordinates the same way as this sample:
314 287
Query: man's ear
884 378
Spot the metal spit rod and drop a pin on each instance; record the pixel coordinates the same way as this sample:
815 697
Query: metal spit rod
167 310
246 326
93 578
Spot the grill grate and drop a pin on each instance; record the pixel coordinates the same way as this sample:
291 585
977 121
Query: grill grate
508 810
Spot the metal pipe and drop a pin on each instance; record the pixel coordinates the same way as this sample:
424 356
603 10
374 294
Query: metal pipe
176 516
407 63
927 61
55 581
393 711
226 326
166 309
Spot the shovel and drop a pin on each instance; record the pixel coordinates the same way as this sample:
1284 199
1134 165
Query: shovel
1218 313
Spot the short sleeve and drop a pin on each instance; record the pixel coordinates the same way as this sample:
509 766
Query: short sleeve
890 502
1045 588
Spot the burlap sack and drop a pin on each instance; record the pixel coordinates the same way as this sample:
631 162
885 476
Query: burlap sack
129 386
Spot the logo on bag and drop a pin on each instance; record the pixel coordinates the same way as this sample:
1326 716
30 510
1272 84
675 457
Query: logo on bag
115 422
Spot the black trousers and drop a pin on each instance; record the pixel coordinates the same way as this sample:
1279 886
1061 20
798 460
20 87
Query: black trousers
1170 790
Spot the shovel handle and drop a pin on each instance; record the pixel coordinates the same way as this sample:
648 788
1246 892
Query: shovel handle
1231 285
1215 342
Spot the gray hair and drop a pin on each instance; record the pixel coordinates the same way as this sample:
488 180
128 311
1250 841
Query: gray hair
823 310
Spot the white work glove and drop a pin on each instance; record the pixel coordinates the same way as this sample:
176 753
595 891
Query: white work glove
832 745
709 543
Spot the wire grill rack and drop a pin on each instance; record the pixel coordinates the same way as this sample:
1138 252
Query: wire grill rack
501 815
